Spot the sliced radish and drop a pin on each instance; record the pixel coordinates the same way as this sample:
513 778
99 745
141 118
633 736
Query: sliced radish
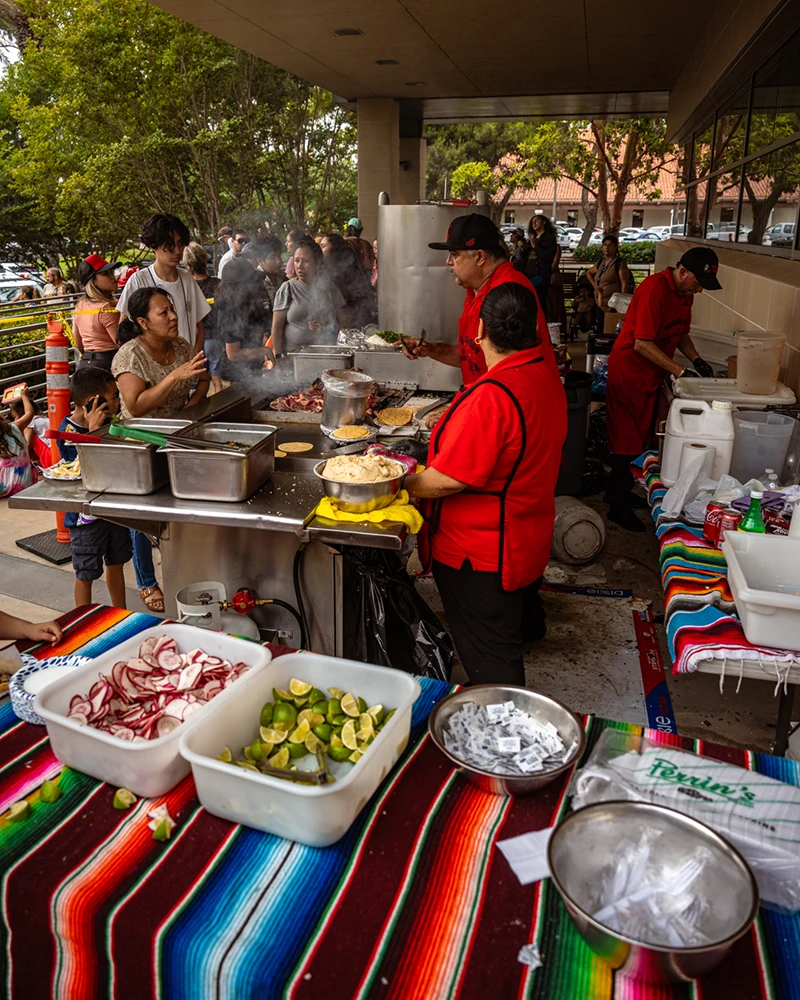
167 725
168 659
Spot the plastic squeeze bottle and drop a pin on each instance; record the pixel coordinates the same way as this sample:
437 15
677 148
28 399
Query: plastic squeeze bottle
753 520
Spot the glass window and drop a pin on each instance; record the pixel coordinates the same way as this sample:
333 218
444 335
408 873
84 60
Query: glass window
696 210
770 194
731 128
701 161
765 102
723 205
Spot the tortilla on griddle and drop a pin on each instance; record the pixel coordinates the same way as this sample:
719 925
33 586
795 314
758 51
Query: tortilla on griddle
395 416
295 447
351 432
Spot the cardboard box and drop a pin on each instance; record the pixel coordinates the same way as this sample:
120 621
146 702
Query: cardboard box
610 321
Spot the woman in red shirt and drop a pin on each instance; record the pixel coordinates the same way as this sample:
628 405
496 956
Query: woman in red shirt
492 468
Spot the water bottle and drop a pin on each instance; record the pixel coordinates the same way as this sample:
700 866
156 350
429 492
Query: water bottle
769 479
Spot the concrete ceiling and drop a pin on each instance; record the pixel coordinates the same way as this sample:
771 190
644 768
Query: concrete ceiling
469 60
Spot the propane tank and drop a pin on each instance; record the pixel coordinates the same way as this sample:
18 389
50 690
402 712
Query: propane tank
203 605
579 532
56 368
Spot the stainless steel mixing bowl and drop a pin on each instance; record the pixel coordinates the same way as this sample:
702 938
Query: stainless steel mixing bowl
542 708
587 844
360 498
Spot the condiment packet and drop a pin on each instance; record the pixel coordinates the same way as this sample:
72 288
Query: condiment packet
500 711
527 855
508 744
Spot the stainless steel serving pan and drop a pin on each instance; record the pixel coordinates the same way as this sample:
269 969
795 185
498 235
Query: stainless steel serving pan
123 466
223 475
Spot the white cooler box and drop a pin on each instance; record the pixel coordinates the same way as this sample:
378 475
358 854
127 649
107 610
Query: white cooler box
764 577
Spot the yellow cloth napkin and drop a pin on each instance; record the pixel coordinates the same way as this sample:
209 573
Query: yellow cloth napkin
401 510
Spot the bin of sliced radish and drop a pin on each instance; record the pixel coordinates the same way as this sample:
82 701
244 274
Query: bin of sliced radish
119 718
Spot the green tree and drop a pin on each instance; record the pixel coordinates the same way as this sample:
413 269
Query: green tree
117 111
605 158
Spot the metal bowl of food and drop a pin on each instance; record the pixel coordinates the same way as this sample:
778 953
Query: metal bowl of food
360 498
596 859
542 708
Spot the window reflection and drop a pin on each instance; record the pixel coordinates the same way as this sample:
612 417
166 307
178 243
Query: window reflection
731 130
723 205
770 196
696 210
701 161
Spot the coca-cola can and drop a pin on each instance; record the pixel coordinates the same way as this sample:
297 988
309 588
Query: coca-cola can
711 525
729 521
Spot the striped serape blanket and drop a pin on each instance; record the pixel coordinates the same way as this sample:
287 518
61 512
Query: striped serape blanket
699 610
414 903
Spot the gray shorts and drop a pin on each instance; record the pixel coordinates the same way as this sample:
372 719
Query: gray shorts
95 543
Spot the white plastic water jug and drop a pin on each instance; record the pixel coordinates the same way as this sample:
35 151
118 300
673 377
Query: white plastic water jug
697 422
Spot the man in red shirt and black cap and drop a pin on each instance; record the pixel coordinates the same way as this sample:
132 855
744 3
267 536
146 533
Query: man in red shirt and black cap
656 324
478 259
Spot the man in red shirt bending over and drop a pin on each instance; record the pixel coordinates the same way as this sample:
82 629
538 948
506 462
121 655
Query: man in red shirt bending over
656 325
478 260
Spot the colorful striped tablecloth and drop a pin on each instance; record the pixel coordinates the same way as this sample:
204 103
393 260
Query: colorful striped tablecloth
414 903
699 610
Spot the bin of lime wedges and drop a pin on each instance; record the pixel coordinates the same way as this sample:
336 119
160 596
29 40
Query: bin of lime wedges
247 731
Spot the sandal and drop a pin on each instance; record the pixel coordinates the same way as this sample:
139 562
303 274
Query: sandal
153 598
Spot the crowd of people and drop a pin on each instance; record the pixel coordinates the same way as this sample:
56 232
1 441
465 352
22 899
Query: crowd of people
156 339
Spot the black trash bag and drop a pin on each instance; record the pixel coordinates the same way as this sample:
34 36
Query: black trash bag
597 438
392 624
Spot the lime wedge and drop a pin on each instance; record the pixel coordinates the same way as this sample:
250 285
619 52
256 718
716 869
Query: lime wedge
315 695
298 687
339 754
377 714
124 799
19 810
324 731
336 741
350 705
281 758
266 714
225 755
313 718
313 741
256 751
297 749
355 756
336 693
50 792
272 735
300 733
284 712
279 695
162 832
349 735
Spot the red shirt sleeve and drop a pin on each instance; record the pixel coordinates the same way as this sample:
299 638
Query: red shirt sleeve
650 314
482 427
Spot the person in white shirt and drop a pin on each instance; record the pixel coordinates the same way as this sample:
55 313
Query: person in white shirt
238 243
167 236
55 284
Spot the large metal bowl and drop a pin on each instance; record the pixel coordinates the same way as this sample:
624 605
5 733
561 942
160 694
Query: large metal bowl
587 843
359 498
542 708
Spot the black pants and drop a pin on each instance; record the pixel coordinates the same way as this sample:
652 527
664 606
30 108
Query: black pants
487 622
620 479
97 359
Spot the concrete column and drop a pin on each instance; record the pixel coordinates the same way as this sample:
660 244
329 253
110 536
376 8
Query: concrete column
413 160
378 158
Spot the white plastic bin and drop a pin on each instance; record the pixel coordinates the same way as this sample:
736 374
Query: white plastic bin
147 768
309 814
764 577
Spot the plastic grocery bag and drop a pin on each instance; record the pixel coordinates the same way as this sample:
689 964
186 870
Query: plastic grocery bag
394 627
758 815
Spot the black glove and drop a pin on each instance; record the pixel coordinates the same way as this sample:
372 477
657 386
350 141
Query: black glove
703 368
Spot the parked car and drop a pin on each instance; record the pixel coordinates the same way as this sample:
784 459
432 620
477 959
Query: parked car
650 235
631 231
726 231
596 239
9 286
663 232
779 235
9 270
562 236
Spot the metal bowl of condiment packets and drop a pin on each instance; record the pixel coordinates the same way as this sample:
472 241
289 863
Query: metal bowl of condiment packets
596 853
360 498
539 706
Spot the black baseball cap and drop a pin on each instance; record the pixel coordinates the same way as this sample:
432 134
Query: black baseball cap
470 232
704 264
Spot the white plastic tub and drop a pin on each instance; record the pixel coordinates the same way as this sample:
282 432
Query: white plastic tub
764 576
147 768
309 814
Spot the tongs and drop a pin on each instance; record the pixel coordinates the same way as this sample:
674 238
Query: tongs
169 440
73 436
319 777
422 336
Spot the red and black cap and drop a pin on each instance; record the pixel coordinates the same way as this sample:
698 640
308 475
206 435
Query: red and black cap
703 264
470 232
93 265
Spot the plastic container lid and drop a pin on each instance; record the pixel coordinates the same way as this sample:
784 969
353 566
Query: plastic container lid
721 404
